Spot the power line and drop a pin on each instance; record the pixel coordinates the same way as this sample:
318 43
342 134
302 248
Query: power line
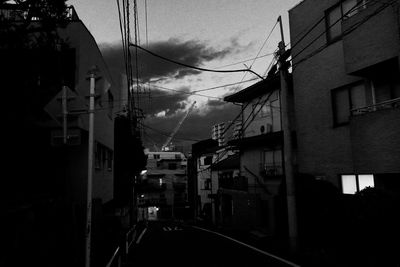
222 86
384 6
266 39
187 93
147 34
244 61
324 32
167 135
193 67
259 109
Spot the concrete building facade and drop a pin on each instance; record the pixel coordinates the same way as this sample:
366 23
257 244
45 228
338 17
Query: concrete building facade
347 92
259 203
163 192
48 194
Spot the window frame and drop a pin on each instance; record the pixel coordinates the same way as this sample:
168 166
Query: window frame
363 5
330 40
348 88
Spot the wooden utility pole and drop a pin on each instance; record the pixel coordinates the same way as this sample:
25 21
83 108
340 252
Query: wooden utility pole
65 114
287 145
92 77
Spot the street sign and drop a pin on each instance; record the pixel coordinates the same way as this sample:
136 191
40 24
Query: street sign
74 102
73 137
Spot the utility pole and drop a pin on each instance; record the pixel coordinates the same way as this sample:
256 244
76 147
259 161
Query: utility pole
92 77
65 113
287 145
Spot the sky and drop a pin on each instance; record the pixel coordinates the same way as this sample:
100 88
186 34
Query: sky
213 34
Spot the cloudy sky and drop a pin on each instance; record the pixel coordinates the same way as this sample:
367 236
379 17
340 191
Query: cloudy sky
213 34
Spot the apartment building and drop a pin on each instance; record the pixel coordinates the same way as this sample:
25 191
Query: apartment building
258 202
347 92
346 86
163 192
46 187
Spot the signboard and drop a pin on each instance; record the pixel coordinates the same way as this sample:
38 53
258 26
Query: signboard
73 137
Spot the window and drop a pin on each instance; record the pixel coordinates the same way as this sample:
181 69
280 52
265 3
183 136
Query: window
109 160
261 111
354 183
97 155
333 17
272 162
334 28
171 166
207 184
346 100
208 160
110 103
386 87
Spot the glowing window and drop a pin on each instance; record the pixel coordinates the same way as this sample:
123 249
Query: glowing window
352 184
349 184
365 180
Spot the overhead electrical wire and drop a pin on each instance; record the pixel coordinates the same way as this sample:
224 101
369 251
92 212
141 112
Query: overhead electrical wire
194 67
343 34
183 92
244 61
259 51
166 134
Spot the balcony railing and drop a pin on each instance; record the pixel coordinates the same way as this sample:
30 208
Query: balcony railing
389 104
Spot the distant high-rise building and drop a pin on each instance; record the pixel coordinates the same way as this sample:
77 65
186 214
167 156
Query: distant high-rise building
224 131
218 133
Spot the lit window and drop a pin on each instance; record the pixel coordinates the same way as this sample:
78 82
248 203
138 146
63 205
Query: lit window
349 184
352 184
365 180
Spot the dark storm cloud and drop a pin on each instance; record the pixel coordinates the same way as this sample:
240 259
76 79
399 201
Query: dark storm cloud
191 52
163 100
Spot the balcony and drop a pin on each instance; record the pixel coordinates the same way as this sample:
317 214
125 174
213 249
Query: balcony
372 36
389 104
374 132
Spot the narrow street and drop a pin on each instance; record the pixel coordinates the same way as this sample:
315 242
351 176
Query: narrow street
172 244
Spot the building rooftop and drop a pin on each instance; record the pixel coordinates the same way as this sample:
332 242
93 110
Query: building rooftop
255 90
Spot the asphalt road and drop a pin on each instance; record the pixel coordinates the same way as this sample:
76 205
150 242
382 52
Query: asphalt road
171 244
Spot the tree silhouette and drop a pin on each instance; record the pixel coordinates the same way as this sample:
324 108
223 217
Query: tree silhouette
31 23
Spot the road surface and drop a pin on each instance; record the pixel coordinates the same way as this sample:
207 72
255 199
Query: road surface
171 244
